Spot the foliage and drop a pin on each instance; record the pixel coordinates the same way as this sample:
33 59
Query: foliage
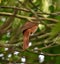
45 42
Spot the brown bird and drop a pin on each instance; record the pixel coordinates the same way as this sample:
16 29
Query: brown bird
28 29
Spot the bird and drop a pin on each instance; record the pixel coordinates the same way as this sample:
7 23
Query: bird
28 28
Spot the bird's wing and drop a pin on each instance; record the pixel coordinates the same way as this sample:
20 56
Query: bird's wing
27 25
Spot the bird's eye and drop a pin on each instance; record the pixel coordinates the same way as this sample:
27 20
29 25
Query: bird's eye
32 34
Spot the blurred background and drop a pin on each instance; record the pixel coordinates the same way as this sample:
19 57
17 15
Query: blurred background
44 44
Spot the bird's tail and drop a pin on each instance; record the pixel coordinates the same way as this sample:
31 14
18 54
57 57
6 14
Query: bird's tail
25 39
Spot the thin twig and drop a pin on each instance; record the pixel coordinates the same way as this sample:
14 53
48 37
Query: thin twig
25 17
8 22
26 10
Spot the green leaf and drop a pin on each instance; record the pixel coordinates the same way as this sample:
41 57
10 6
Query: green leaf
57 60
55 30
